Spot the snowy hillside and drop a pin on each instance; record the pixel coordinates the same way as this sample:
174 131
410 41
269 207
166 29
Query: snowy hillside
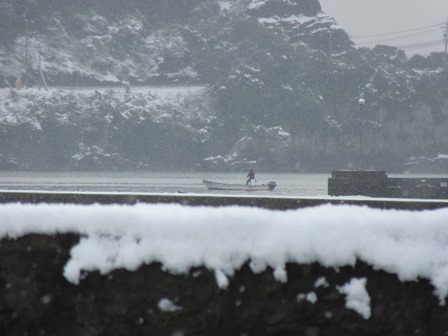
103 128
268 65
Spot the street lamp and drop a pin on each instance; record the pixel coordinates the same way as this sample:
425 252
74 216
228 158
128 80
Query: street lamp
361 103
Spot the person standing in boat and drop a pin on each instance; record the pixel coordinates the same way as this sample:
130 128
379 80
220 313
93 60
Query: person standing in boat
250 176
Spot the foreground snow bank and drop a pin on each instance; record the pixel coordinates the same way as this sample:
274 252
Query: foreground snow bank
410 244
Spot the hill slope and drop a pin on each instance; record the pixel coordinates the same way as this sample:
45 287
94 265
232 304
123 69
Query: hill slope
283 84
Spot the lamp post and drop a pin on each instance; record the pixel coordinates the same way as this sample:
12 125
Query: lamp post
361 103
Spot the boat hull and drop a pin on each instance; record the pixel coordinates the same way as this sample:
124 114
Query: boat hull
211 185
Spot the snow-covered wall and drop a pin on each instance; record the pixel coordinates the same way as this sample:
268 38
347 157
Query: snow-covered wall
179 270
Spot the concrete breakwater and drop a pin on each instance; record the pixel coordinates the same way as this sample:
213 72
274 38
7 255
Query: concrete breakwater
273 203
375 183
35 298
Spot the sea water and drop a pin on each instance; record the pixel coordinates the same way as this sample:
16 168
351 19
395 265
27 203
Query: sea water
161 182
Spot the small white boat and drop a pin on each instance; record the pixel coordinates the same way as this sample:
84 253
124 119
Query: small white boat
229 186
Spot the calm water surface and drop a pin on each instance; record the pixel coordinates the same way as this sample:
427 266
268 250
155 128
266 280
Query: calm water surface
159 182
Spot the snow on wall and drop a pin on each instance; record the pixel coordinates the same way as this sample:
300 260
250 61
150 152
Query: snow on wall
409 244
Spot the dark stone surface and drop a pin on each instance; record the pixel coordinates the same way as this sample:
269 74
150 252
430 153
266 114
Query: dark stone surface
35 299
377 184
273 203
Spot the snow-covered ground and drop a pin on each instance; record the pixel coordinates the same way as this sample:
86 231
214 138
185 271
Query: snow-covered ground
29 106
15 104
156 90
410 244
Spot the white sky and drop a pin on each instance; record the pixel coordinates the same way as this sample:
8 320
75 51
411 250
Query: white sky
409 244
374 17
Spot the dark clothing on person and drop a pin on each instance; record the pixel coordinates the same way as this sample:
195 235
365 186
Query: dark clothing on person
250 176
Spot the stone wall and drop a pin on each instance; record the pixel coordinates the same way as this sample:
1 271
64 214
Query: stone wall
273 203
375 183
35 299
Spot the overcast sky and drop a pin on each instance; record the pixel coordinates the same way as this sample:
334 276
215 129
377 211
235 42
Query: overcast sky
417 26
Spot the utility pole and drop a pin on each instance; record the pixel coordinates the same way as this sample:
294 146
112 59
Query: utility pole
445 40
27 78
330 47
445 37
